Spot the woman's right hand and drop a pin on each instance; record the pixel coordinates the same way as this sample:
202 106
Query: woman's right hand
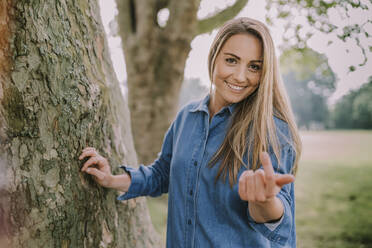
102 172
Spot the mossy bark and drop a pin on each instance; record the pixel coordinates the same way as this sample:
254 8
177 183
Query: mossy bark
59 94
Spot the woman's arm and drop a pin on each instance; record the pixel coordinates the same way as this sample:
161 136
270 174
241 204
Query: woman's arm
260 189
150 180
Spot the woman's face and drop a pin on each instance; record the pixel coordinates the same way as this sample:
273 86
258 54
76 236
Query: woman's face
237 71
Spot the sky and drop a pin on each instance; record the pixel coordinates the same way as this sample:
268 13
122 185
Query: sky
196 65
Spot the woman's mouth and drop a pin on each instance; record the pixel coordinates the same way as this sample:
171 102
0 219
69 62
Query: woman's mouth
234 87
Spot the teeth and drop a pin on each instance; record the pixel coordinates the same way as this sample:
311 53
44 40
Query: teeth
234 87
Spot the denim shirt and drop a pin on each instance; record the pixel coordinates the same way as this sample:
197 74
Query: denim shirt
201 213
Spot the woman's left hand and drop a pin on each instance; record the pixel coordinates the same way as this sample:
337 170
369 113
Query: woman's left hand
262 186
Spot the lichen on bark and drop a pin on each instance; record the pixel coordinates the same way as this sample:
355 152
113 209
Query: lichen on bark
60 96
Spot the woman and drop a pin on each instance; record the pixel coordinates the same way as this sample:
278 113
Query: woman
224 190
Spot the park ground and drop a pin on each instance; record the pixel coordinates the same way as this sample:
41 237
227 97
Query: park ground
333 191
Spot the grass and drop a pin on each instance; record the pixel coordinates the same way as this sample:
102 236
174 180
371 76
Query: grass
158 210
333 191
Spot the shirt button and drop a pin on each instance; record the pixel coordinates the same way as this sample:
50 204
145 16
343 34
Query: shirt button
195 163
190 192
189 222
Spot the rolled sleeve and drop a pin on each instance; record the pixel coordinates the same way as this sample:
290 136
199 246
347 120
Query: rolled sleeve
151 180
137 182
281 233
282 230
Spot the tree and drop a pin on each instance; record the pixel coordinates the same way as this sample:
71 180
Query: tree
192 89
58 94
309 81
354 110
155 57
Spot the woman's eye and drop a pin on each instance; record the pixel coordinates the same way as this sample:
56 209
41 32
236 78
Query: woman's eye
254 67
230 60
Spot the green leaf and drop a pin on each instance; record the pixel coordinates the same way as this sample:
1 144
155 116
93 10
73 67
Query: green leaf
269 21
284 14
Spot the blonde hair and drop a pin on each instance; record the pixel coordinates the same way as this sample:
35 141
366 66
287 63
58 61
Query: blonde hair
252 129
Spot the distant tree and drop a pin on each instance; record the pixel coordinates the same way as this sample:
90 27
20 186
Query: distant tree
341 114
354 110
155 55
192 89
309 81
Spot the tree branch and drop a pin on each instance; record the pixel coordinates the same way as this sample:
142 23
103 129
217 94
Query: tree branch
208 24
160 4
127 16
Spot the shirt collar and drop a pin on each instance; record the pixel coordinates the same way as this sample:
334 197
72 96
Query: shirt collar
203 106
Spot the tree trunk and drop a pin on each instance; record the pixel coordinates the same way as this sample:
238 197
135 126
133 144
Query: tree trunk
155 59
59 94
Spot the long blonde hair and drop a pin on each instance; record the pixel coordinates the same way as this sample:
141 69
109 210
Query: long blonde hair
252 129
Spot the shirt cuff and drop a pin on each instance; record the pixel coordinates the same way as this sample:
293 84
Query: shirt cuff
279 231
273 225
135 185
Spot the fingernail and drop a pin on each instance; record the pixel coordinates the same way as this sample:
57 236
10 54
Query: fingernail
88 170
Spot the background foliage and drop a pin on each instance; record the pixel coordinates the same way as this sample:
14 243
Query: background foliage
309 81
354 110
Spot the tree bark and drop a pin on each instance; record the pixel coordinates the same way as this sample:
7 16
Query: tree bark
59 94
155 58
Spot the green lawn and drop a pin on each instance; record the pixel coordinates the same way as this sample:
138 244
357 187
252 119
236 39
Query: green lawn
158 210
333 190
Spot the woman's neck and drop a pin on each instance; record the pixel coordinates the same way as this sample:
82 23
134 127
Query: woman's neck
214 106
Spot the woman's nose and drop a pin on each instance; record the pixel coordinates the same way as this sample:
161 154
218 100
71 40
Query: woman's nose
240 74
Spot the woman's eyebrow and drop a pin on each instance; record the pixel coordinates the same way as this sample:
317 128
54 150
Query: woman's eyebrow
238 58
231 54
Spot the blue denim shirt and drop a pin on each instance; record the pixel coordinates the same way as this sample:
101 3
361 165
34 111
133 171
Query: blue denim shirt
201 213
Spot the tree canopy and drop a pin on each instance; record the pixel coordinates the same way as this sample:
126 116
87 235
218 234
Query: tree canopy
320 15
309 81
354 110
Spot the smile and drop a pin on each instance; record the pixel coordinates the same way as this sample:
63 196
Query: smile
234 87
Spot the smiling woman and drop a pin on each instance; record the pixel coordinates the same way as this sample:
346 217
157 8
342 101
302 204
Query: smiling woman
228 160
237 70
243 68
